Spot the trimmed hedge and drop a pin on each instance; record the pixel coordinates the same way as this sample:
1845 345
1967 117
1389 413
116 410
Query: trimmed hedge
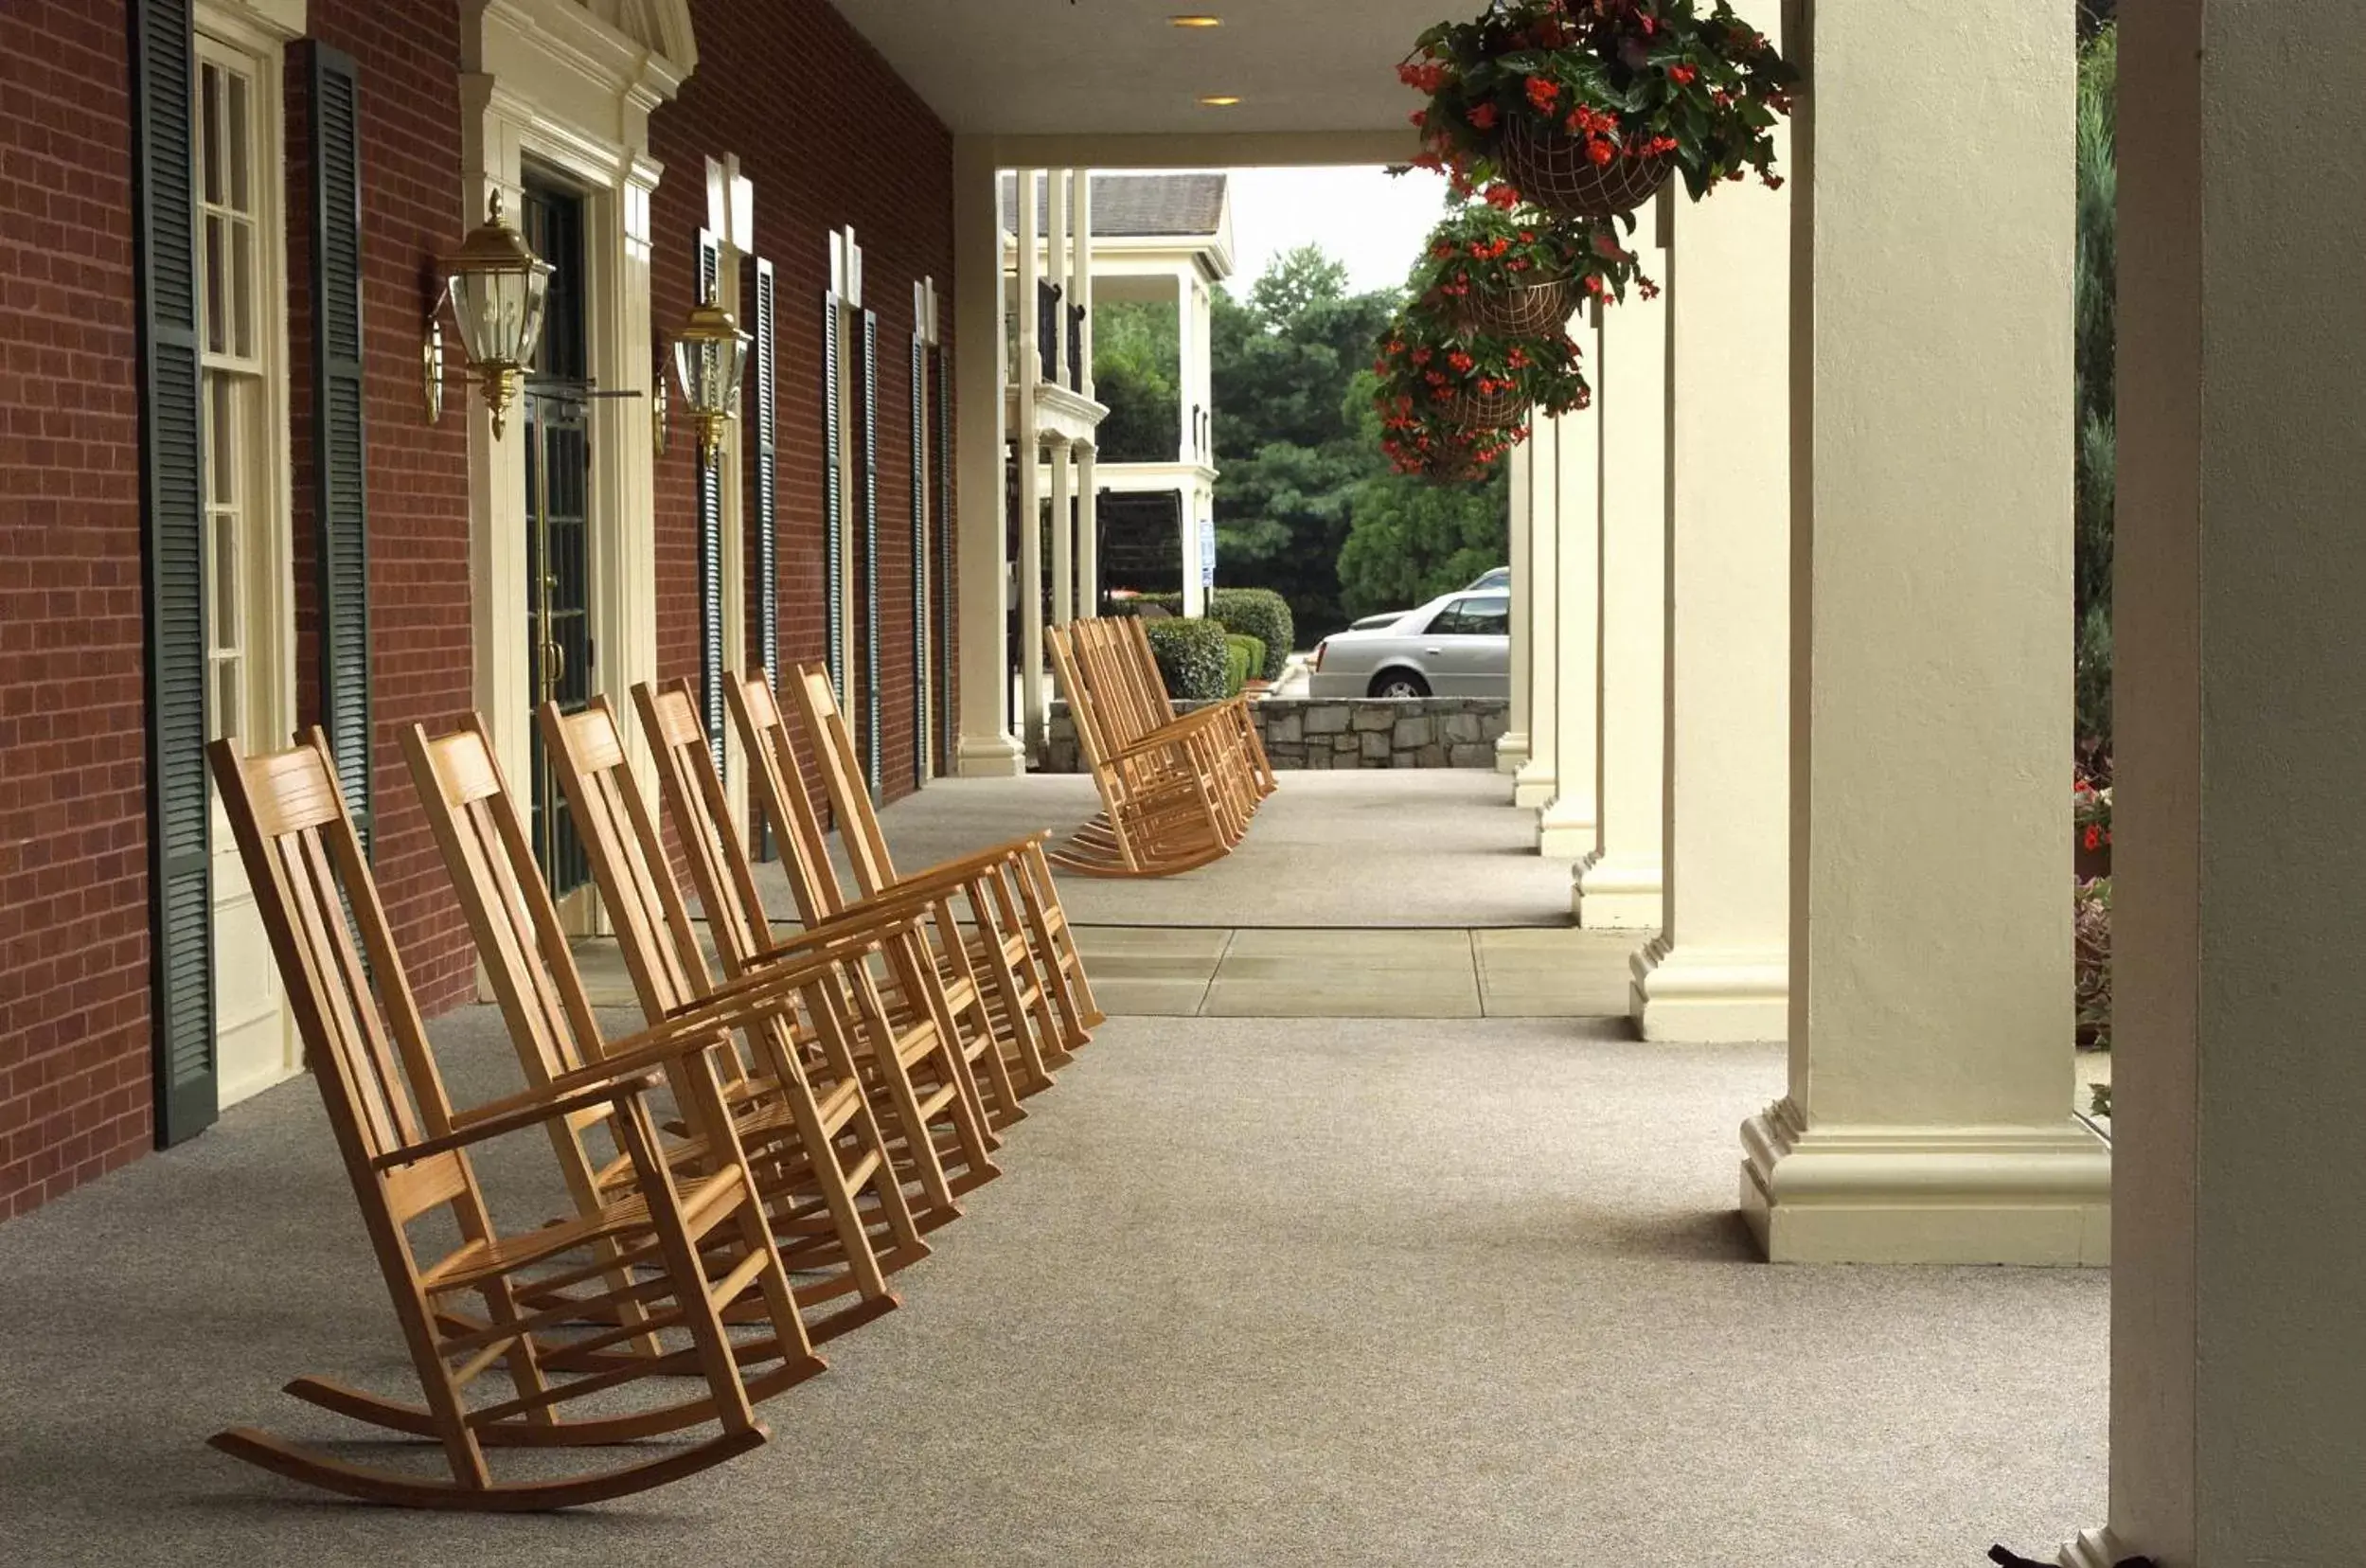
1258 613
1243 657
1262 614
1192 657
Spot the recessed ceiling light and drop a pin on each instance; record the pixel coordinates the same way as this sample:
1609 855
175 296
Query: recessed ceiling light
1195 20
1220 100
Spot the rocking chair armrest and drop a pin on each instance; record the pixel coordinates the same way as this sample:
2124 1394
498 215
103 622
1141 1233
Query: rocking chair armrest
765 986
1157 740
608 1085
953 873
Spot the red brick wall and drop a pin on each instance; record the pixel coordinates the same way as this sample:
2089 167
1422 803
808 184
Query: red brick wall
859 149
74 1003
422 669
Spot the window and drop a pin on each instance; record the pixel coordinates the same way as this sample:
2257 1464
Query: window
1486 615
230 171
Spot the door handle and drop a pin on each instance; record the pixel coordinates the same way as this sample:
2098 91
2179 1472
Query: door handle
1434 652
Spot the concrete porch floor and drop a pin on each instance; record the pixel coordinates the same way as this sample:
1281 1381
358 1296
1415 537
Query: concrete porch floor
1251 1293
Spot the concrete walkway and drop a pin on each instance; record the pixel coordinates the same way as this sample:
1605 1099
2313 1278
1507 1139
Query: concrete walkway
1436 848
1338 1294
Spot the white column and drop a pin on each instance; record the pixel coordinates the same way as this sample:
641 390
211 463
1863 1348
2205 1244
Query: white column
1535 497
1187 376
1928 1119
985 747
1033 705
1618 884
1511 750
2238 1393
1719 969
1088 572
1567 827
1056 263
1063 541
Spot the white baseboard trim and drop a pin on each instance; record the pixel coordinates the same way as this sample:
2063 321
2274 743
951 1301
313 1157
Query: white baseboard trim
2093 1549
1565 829
1531 786
1616 892
1921 1194
990 756
1709 995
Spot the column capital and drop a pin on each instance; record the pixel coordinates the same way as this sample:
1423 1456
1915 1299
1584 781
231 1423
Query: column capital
1934 1194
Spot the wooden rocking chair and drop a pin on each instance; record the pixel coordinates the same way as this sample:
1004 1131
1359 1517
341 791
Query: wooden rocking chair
1000 1048
1159 814
406 1151
1113 657
1016 931
816 1154
910 1064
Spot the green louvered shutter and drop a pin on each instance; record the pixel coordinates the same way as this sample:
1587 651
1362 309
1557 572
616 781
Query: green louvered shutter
711 542
833 500
338 437
871 702
767 506
173 520
948 722
921 693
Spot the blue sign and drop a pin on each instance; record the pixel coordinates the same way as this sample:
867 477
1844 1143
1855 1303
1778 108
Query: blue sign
1207 553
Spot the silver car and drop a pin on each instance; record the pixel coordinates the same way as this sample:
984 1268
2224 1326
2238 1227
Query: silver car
1457 645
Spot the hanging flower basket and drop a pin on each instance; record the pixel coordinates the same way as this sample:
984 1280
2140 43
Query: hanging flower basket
1587 108
1552 169
1521 274
1451 404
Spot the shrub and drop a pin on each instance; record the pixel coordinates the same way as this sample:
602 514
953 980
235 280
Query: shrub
1258 613
1192 657
2092 929
1262 614
1243 657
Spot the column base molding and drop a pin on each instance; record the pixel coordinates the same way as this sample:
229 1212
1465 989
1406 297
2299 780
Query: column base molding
2028 1195
1565 829
1531 786
1618 892
2093 1549
1512 752
1710 995
989 756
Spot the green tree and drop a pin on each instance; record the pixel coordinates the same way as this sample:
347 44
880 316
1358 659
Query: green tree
1410 539
1290 455
1137 371
2095 286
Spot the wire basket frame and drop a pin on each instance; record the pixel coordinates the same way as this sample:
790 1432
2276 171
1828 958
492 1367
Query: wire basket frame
1550 170
1475 410
1527 311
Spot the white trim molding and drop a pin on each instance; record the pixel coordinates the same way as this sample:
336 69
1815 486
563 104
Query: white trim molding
1616 892
2093 1549
1709 996
1837 1194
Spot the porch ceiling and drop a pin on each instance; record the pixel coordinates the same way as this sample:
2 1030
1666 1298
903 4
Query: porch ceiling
1116 67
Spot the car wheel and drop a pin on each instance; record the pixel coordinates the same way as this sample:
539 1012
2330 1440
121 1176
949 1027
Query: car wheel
1399 682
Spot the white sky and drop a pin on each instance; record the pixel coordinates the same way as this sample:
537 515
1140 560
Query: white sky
1360 216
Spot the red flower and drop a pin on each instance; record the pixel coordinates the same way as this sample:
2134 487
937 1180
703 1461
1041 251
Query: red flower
1460 360
1502 196
1682 75
1419 116
1600 151
2094 840
1543 93
1482 117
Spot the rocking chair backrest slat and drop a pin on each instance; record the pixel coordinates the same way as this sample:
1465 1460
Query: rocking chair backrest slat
359 1022
781 795
491 861
835 753
693 795
628 856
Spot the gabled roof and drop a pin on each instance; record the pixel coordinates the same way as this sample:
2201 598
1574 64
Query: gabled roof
1131 207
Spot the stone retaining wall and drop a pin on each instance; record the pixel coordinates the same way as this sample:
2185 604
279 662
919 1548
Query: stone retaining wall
1302 732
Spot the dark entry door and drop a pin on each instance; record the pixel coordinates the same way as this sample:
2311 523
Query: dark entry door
558 496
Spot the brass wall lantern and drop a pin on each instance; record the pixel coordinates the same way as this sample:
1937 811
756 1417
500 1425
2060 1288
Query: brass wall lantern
498 288
710 356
